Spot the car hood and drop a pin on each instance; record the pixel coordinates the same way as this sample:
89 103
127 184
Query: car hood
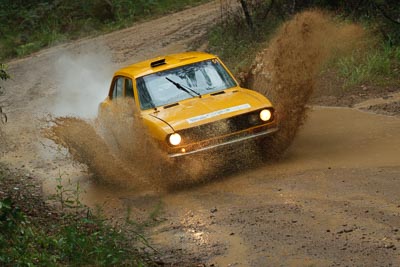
209 108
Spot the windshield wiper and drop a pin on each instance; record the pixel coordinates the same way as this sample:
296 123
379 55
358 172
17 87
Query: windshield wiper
183 88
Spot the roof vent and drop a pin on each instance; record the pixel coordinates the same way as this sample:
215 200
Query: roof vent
158 63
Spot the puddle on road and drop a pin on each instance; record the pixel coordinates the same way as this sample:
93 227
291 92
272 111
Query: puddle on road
331 138
342 138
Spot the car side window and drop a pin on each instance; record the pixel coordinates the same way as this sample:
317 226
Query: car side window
118 87
128 88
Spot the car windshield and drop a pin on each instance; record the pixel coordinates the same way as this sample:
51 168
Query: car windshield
173 85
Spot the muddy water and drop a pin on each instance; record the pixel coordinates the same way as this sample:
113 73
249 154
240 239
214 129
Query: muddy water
344 138
198 218
332 139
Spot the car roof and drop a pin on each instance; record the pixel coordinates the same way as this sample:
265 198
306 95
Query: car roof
162 63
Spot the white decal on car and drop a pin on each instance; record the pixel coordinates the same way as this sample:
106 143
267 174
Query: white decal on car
217 113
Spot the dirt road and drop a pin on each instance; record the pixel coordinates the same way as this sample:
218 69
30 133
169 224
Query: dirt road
334 199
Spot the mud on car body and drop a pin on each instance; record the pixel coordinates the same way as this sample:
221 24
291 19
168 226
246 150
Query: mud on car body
190 103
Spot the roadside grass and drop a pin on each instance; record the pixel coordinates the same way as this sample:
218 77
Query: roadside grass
35 234
237 45
378 65
28 27
76 243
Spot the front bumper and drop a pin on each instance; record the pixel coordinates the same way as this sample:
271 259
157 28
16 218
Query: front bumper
230 140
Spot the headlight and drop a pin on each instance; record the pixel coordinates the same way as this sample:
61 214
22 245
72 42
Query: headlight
265 115
175 139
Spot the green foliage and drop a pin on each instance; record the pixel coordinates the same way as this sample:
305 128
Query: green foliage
30 25
81 242
235 42
68 240
9 215
238 53
3 72
382 15
377 65
68 198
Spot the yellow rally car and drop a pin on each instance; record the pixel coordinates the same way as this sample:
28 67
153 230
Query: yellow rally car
190 103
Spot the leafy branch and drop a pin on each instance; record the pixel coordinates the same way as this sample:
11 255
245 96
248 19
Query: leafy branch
3 72
3 76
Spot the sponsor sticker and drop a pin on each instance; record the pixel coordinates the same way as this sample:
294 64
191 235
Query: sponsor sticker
217 113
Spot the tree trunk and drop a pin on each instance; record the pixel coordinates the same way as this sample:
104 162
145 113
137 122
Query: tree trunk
247 14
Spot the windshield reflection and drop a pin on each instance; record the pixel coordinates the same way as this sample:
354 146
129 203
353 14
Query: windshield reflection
203 77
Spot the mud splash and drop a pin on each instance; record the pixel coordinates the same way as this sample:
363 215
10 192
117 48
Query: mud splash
118 149
127 137
87 147
286 71
114 151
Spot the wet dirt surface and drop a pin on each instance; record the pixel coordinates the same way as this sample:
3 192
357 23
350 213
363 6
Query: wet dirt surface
333 200
388 105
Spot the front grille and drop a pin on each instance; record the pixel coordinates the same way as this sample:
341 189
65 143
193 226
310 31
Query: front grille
222 127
